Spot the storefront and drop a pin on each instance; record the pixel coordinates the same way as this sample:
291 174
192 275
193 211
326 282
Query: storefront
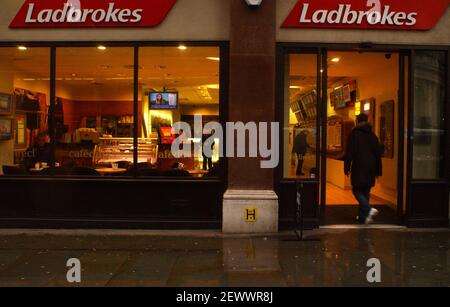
93 90
89 96
333 64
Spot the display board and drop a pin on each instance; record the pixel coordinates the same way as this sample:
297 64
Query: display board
344 95
334 133
305 107
6 105
21 131
387 126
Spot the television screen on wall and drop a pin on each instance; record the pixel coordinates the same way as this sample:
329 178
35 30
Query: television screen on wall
163 100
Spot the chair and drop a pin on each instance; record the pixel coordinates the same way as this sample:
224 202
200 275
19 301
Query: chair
13 171
143 165
177 173
124 164
54 171
213 172
84 171
148 172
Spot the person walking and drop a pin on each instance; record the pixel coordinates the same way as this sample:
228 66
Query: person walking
300 149
363 163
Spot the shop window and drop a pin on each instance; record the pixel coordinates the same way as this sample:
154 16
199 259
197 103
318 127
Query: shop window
300 116
24 102
176 84
94 111
429 117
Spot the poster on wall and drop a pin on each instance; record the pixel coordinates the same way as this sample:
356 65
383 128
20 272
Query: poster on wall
6 129
21 130
6 105
387 111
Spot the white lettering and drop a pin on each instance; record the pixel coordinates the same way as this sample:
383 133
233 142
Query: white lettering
137 14
71 13
112 13
411 19
44 16
29 18
320 16
123 16
98 15
304 14
399 18
335 16
349 14
59 15
387 16
375 14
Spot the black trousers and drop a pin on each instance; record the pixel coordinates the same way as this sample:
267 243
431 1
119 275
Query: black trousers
207 163
301 161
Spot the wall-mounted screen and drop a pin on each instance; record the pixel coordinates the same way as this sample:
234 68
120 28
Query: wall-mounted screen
163 100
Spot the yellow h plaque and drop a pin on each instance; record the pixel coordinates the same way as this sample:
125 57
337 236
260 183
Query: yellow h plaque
250 215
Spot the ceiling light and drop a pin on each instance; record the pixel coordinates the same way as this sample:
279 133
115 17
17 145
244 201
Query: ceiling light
335 60
296 87
182 47
22 48
102 48
212 86
213 58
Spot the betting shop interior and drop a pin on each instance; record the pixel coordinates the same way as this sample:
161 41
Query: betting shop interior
360 82
94 110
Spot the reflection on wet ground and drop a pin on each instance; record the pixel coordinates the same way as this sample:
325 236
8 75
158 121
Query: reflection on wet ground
408 258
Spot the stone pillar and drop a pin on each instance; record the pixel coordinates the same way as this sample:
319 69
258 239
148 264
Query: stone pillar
251 99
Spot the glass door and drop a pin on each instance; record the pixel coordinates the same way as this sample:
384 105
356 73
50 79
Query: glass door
300 115
427 179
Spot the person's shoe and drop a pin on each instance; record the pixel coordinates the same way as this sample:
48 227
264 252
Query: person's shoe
373 212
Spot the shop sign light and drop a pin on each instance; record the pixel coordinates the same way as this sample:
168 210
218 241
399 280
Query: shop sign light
253 2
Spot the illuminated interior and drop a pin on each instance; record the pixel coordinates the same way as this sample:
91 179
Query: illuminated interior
94 102
357 83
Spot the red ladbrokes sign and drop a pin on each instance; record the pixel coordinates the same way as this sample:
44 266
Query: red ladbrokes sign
91 13
367 14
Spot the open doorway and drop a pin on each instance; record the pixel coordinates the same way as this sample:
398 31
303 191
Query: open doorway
361 83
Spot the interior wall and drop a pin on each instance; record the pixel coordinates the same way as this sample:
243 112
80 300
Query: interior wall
206 110
383 86
75 110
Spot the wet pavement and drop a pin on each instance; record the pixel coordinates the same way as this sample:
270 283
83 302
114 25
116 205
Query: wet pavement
408 258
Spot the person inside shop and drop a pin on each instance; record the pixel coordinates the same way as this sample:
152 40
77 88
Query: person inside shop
40 152
207 161
363 163
300 149
160 100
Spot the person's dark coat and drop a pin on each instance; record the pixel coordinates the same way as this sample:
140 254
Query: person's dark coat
363 157
300 144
